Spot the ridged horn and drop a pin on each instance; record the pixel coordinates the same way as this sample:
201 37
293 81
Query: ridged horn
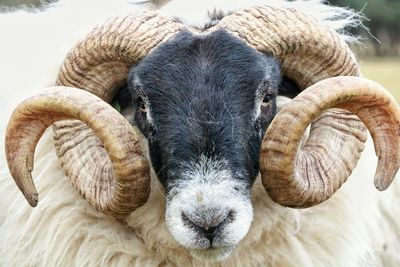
308 53
99 64
304 176
121 141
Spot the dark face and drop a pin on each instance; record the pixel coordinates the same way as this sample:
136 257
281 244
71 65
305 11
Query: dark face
201 96
204 103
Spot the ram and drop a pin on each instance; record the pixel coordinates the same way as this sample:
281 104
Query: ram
200 168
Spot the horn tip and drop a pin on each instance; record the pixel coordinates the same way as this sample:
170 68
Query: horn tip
386 172
25 184
380 186
32 198
383 182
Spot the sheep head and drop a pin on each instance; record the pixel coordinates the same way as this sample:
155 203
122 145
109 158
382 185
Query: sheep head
208 159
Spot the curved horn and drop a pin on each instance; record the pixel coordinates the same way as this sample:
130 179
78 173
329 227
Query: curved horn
130 188
99 64
288 171
308 53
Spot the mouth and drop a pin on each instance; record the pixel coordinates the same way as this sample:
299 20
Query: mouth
212 254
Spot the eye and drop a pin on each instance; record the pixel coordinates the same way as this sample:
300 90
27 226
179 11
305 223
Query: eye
267 101
141 104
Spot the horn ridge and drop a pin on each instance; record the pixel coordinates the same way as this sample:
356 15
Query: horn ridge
121 188
301 177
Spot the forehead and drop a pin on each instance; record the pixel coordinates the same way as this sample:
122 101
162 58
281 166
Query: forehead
190 65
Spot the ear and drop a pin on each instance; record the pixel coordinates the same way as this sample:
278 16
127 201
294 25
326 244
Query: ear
288 88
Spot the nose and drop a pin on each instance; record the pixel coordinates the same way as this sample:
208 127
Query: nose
207 224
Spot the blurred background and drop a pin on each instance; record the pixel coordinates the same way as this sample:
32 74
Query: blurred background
379 53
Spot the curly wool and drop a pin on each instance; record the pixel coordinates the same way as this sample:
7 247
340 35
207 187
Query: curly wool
356 227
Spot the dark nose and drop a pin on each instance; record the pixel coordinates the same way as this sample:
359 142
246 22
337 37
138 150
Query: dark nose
208 224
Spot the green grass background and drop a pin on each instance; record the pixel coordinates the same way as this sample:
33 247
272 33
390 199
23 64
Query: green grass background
385 71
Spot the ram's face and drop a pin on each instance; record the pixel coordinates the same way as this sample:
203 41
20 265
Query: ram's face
204 104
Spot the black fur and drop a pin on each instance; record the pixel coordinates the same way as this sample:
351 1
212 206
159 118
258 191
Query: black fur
201 92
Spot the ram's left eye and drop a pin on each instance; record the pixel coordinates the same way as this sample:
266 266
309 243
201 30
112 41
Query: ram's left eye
141 104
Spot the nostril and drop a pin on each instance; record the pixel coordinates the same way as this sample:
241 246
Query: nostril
209 233
207 224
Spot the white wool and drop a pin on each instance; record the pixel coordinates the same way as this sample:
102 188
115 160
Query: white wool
358 226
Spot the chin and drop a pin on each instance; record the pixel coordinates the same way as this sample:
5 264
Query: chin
212 254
